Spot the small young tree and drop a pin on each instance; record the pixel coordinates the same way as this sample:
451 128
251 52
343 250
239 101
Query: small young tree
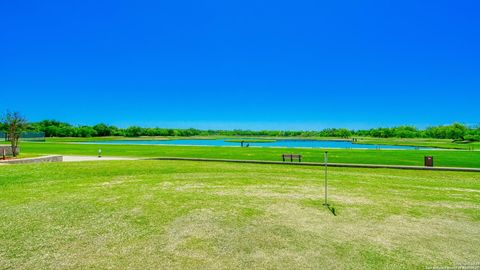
14 123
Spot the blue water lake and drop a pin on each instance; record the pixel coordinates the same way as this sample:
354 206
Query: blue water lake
277 143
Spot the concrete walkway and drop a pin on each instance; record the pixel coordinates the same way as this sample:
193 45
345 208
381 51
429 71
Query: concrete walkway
92 158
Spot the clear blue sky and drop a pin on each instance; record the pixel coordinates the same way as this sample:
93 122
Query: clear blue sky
242 64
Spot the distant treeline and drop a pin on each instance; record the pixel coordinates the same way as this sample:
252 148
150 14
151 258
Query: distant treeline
456 131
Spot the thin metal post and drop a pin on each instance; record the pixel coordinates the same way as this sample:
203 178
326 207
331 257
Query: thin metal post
326 179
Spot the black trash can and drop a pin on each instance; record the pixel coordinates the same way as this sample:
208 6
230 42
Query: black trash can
428 161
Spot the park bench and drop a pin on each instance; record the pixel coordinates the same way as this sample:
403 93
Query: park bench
291 157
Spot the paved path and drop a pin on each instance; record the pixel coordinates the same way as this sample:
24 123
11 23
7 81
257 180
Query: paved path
92 158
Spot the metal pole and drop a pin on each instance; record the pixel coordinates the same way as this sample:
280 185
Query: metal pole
326 178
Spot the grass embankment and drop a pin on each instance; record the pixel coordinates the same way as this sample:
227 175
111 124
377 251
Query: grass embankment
437 143
194 215
447 158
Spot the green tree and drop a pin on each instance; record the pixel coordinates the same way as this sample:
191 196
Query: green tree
456 131
86 131
103 130
134 131
14 124
343 133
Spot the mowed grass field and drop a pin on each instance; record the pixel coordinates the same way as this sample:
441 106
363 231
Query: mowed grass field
425 142
212 215
446 158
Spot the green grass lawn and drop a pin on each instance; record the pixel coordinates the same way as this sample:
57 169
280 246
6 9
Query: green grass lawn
438 143
447 158
191 215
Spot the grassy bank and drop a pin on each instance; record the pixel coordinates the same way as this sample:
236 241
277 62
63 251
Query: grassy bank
438 143
190 215
446 158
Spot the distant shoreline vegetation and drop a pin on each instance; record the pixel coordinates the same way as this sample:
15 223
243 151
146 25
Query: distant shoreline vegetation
456 132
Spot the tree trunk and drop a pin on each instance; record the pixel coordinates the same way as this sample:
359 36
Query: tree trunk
14 143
